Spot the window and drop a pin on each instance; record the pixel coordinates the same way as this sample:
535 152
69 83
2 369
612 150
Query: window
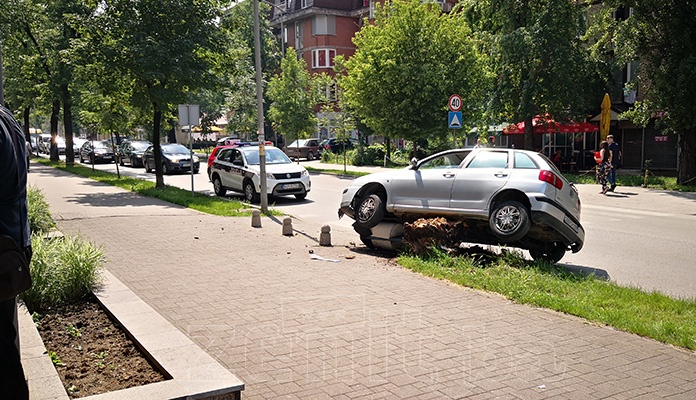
450 160
490 159
323 58
298 35
307 3
324 25
523 161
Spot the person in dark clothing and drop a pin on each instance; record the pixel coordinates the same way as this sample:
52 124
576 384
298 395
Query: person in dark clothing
14 222
615 161
603 166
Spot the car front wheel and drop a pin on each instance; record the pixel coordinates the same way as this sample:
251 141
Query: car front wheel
551 252
147 167
370 211
509 221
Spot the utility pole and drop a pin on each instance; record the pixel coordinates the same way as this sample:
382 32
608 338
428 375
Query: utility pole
259 108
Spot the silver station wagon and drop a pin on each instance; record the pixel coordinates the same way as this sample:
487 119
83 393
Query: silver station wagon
507 196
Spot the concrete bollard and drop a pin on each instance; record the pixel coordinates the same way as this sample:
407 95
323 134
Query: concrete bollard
325 236
255 219
287 227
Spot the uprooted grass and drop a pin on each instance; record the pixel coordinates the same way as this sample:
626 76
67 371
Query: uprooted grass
652 315
171 194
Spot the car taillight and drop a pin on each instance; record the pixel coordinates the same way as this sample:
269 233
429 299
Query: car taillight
550 177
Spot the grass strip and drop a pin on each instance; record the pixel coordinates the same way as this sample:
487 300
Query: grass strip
201 202
336 171
652 315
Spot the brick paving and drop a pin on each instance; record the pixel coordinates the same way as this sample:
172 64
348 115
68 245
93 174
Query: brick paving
361 328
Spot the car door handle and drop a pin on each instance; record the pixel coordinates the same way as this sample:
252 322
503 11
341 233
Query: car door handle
501 175
448 175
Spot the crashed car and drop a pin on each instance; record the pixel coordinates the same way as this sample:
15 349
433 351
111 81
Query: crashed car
512 197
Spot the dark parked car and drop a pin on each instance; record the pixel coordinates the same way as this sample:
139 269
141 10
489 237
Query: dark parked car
131 152
303 148
175 158
336 145
101 152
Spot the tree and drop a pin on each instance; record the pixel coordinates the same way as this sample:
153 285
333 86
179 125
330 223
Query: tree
539 61
292 107
660 34
406 66
167 48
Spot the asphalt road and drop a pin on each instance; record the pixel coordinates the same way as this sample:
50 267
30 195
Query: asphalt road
635 237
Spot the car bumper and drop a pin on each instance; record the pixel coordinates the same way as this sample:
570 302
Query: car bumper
550 214
184 166
287 187
346 207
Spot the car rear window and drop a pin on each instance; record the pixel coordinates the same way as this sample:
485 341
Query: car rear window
523 161
490 159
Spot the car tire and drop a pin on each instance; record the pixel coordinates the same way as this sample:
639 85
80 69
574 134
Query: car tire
195 171
250 193
82 160
310 156
301 196
147 167
368 242
509 221
165 169
551 252
91 159
370 211
120 162
220 190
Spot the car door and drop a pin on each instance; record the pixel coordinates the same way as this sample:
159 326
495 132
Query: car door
223 166
236 175
481 177
426 189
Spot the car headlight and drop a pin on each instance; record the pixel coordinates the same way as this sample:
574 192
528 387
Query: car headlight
304 173
270 176
196 159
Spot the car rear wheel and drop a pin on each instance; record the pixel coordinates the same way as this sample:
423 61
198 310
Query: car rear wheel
147 166
301 196
250 193
551 252
370 211
310 156
165 169
120 161
509 221
218 188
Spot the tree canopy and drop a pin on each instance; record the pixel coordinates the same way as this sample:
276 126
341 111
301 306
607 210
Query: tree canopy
407 64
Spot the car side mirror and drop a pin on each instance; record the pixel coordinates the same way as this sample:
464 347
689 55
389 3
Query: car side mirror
414 162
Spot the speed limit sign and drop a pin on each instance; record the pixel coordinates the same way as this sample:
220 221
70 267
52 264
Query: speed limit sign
455 102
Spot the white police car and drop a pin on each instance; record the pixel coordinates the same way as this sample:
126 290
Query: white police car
238 169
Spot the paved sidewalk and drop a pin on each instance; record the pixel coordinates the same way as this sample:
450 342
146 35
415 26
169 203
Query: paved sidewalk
362 327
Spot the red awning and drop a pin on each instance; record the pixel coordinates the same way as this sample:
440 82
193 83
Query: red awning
541 125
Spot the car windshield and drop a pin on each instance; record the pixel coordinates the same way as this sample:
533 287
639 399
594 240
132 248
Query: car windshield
174 149
102 145
298 143
273 156
140 145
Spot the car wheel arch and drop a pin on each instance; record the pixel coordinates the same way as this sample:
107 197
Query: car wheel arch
372 188
509 194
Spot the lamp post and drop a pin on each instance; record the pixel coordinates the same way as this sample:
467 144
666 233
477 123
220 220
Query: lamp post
259 109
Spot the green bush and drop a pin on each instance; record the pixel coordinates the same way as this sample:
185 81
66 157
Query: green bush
63 270
367 155
40 219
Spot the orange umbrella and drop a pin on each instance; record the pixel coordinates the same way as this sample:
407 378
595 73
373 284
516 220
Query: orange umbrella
605 117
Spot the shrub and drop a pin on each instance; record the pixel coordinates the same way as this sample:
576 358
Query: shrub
63 270
367 155
40 219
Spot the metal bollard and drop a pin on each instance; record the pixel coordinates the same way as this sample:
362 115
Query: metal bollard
325 236
255 219
287 227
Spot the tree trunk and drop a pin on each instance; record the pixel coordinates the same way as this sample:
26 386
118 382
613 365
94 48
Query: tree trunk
54 130
528 133
25 116
68 124
159 179
687 158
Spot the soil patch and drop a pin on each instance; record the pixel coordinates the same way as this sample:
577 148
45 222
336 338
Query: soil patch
90 351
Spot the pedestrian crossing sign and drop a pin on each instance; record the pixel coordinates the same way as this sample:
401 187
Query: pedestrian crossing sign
454 121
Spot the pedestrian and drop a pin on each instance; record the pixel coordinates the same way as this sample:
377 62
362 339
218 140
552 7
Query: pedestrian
557 159
603 166
479 143
615 161
491 141
14 223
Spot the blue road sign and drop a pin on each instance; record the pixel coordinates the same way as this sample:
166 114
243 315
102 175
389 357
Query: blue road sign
454 120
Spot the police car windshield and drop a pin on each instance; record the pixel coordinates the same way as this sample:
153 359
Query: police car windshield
273 155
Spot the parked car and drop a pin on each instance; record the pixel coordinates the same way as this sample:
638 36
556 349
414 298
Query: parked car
175 158
44 144
303 148
506 196
238 169
216 149
96 151
336 145
131 152
60 144
77 144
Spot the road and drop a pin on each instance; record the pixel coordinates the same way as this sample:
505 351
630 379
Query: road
637 237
